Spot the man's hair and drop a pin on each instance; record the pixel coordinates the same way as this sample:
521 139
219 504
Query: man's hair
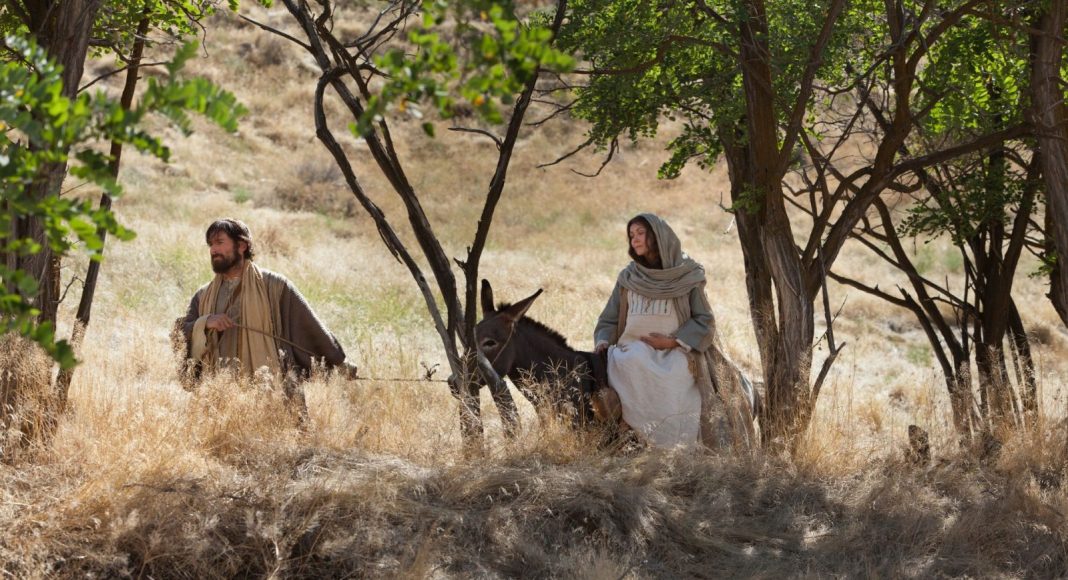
236 230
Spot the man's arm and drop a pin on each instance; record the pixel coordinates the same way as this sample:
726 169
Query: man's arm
301 326
191 315
182 341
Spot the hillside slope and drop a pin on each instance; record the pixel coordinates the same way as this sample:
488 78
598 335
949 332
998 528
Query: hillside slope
145 479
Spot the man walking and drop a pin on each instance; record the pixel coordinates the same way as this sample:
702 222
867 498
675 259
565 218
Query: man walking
248 318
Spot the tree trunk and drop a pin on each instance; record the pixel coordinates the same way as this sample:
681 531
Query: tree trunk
786 370
1058 292
992 296
1050 118
994 383
62 29
757 277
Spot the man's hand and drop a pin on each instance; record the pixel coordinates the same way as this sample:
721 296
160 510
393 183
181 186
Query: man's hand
219 322
660 341
600 348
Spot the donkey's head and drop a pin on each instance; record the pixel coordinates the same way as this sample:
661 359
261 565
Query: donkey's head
496 333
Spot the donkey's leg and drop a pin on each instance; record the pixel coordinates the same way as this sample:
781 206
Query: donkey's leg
471 431
506 407
501 397
531 394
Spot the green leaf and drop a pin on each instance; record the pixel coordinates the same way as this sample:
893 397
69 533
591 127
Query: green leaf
181 56
50 128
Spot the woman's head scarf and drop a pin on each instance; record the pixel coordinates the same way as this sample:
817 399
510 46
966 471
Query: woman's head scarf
679 275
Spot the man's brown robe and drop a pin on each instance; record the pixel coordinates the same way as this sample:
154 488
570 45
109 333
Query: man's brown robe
293 320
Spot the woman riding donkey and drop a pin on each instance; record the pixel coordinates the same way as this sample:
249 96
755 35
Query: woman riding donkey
675 384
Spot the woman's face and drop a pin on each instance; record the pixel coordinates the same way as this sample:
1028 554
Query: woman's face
639 239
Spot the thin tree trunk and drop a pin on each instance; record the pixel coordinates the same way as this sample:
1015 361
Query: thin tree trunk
992 294
1028 382
757 277
85 305
455 327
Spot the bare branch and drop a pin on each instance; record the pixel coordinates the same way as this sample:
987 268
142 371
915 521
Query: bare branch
117 71
711 12
558 110
496 139
612 148
822 376
371 40
325 16
193 17
985 142
873 290
833 349
385 230
568 155
69 284
277 32
370 29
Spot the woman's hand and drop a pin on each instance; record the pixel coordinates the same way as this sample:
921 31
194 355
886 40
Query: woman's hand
660 341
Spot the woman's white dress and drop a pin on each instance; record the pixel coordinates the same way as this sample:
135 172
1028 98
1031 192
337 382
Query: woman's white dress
659 396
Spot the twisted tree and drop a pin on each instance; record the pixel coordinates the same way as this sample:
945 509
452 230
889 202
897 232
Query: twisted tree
482 51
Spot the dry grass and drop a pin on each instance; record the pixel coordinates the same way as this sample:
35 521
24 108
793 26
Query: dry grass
145 479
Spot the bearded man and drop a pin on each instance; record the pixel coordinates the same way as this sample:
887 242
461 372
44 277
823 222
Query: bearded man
248 318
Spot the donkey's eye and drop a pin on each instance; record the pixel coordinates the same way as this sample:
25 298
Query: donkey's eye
488 344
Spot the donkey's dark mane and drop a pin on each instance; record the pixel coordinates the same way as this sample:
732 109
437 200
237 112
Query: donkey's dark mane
530 322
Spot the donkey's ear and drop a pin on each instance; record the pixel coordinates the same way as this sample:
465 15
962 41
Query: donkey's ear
487 299
517 310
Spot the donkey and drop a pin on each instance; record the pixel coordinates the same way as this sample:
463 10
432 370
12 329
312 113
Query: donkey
533 355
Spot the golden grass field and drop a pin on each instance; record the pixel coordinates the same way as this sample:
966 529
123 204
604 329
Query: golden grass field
145 479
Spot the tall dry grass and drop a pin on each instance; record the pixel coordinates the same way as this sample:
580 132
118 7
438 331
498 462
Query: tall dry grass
145 479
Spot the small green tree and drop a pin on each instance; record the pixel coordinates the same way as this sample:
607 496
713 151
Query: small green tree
476 51
53 128
983 203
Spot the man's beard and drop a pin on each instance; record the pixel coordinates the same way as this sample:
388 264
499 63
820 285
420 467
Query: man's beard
224 263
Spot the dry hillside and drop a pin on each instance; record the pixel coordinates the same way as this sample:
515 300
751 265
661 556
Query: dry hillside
145 479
